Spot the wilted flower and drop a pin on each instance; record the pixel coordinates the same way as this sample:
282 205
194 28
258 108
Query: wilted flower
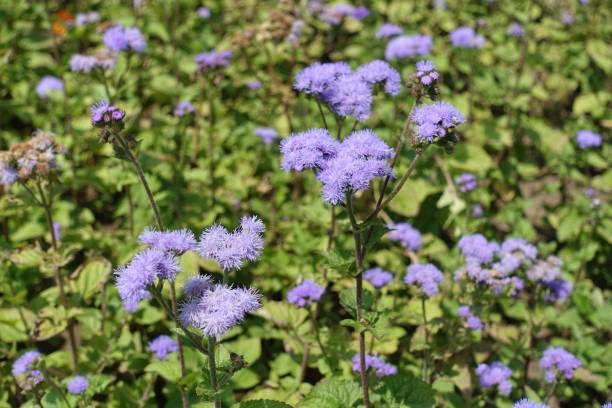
408 46
466 37
268 135
47 84
162 346
388 30
78 385
426 275
380 366
305 293
495 374
378 277
587 139
545 270
36 157
409 237
558 359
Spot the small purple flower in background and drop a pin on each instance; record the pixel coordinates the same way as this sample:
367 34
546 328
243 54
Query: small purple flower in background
558 289
409 237
295 32
82 19
120 38
48 84
183 107
333 15
305 293
466 182
477 211
162 346
204 12
78 385
213 59
254 85
426 275
23 365
587 139
103 112
308 149
607 404
426 72
8 174
408 46
527 403
495 374
379 71
34 378
476 248
566 17
545 270
380 366
57 230
378 277
388 30
83 63
196 286
473 322
516 30
436 120
466 37
439 4
558 359
268 135
168 241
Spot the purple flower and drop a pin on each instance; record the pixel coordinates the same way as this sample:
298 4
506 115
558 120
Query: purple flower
439 4
83 63
566 17
495 374
48 84
607 404
477 248
558 359
203 12
33 378
333 15
87 18
213 59
477 210
135 39
378 277
466 182
120 38
473 322
436 120
545 270
350 95
162 346
23 364
183 107
379 71
409 237
219 309
558 289
197 285
380 366
8 174
408 46
388 30
175 240
587 139
527 403
426 275
305 293
312 148
466 37
268 135
253 85
317 78
426 72
519 246
516 30
102 112
78 385
57 230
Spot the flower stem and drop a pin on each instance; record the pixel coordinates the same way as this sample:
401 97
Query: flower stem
184 394
212 368
426 354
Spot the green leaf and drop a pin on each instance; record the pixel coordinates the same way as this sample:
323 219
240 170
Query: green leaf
378 230
339 260
332 393
405 391
347 300
92 276
249 348
263 404
170 370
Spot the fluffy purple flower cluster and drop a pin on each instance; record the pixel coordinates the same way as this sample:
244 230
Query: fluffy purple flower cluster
516 30
47 84
179 241
558 359
103 113
378 277
23 364
218 308
388 30
346 92
267 134
78 385
305 293
254 85
213 59
435 121
426 72
557 289
426 275
545 270
120 38
408 236
495 374
333 15
477 248
587 139
82 19
466 37
380 366
342 167
527 403
162 346
466 182
204 12
472 321
408 46
183 107
439 4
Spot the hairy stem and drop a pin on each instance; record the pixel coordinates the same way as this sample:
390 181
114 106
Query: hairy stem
212 367
425 351
184 393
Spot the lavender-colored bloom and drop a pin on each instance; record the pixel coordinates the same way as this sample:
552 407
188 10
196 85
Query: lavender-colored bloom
566 17
135 39
175 240
48 84
183 107
426 275
436 120
317 78
120 38
587 139
519 246
334 15
268 135
23 364
466 37
464 311
466 182
473 322
103 112
408 46
350 96
8 174
219 309
308 149
305 293
213 59
378 277
295 32
57 230
87 18
33 378
495 374
83 63
477 211
409 237
78 385
379 71
527 403
607 404
426 72
388 30
516 30
558 359
204 12
162 346
254 85
477 248
558 289
545 270
439 4
196 286
380 366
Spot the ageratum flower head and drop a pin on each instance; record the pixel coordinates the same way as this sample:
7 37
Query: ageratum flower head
179 241
587 139
120 38
254 85
495 374
350 95
477 211
516 30
83 63
78 385
183 107
23 365
219 309
427 276
318 77
545 270
47 84
381 367
466 182
230 250
409 237
388 30
213 59
473 322
426 72
204 12
333 15
268 135
527 403
378 277
312 148
379 71
162 346
436 121
104 114
556 360
305 293
557 289
197 285
476 248
466 37
82 19
408 46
